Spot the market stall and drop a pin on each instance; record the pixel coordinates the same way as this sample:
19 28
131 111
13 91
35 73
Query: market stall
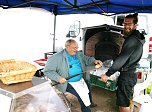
21 91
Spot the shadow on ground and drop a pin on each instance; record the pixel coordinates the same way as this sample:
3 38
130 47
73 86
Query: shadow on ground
105 99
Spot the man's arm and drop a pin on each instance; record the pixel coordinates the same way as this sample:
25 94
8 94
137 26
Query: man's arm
120 61
50 69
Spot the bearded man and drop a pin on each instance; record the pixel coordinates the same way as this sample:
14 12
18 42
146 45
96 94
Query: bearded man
127 62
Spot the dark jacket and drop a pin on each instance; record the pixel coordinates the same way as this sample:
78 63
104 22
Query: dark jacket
130 55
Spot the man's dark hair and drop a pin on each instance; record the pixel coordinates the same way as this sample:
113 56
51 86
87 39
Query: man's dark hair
134 16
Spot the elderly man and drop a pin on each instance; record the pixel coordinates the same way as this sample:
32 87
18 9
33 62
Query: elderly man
127 62
69 62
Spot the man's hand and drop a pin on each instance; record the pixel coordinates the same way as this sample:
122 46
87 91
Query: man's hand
62 80
98 62
104 78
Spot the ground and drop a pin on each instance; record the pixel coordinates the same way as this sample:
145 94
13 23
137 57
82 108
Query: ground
105 99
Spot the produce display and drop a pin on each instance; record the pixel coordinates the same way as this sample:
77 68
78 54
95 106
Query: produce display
12 71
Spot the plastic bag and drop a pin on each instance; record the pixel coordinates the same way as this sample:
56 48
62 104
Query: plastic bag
108 63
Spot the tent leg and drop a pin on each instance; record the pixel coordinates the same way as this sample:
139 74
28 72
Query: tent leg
54 33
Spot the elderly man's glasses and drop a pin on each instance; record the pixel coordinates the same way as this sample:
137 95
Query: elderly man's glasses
74 47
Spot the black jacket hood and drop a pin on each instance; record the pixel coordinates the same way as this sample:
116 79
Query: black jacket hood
139 36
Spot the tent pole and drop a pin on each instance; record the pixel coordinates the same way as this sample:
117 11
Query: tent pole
55 14
54 33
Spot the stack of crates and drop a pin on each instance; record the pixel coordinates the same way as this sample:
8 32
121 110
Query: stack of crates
143 70
142 73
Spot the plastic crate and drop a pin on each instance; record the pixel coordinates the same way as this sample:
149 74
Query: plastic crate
109 85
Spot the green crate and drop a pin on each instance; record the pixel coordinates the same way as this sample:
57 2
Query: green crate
109 85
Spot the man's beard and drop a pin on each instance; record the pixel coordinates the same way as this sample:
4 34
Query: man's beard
126 34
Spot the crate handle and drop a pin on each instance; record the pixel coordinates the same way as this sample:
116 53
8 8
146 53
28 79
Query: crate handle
108 84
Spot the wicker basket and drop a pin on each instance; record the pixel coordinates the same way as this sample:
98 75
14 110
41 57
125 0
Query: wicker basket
12 71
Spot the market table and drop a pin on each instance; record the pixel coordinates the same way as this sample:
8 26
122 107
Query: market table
35 95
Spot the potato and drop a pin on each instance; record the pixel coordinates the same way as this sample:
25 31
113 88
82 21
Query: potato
97 66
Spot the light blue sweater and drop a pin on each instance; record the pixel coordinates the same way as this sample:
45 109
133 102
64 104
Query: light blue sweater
57 67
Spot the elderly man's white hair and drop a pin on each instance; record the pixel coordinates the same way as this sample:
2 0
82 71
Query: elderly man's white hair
68 42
